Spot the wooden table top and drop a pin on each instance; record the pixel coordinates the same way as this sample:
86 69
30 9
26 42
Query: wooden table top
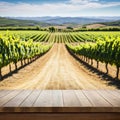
59 101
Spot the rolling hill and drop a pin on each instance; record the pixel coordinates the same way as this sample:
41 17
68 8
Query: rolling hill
65 20
59 21
15 22
114 23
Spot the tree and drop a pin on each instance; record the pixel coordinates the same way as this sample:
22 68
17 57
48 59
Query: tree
51 29
70 28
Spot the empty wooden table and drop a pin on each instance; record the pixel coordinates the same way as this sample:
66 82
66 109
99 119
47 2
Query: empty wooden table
60 104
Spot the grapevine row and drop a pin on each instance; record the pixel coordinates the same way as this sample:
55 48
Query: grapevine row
12 50
107 51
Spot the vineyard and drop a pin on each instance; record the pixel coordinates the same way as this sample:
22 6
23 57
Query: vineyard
57 69
106 50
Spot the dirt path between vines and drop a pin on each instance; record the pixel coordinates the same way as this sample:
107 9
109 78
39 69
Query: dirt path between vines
55 70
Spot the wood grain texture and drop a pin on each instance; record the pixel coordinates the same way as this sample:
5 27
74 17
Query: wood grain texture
112 99
96 99
30 100
18 99
60 116
70 99
60 101
9 96
44 99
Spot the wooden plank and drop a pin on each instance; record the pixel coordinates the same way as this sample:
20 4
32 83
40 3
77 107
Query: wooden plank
18 99
44 99
57 99
113 100
60 116
96 99
84 101
114 93
118 91
30 100
4 93
70 99
60 109
9 96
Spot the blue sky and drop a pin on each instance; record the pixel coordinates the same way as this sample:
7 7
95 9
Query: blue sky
33 8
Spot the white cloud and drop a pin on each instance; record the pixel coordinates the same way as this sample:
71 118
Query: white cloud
72 8
82 1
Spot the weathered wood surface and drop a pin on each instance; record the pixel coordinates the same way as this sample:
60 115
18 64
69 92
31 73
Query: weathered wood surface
59 101
59 116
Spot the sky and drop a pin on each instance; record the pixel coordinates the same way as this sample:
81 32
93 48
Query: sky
64 8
